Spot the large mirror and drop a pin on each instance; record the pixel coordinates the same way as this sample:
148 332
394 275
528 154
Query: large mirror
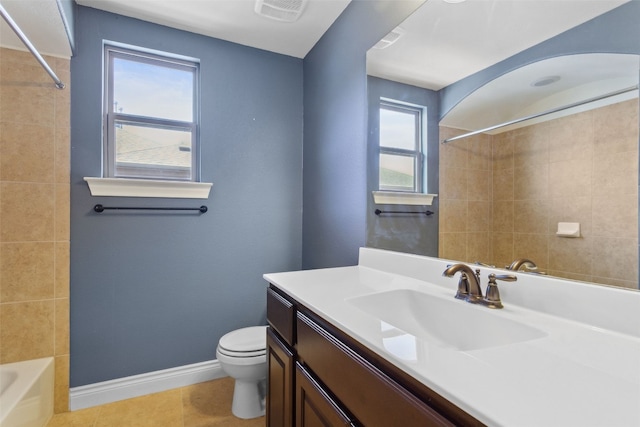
560 188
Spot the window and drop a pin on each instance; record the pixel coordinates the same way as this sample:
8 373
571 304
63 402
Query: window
401 157
150 116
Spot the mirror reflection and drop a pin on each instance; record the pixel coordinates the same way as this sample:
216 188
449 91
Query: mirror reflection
509 193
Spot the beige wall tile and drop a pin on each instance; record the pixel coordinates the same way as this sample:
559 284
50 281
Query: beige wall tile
571 255
502 218
622 144
34 153
571 138
453 216
62 212
532 246
581 168
61 269
531 181
616 282
454 183
62 155
479 184
617 218
571 276
453 154
454 246
27 271
478 216
613 257
61 345
615 173
530 216
61 385
502 151
616 120
531 145
479 247
502 244
26 102
27 212
27 152
479 152
571 178
503 184
27 330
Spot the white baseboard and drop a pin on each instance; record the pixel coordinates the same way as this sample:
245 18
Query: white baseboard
139 385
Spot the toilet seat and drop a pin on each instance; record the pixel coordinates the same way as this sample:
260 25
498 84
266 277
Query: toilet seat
244 343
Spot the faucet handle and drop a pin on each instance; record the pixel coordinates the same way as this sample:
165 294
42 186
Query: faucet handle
492 295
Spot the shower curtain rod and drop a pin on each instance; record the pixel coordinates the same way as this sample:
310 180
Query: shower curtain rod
544 113
16 29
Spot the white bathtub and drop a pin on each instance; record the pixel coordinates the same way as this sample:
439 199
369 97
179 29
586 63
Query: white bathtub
26 393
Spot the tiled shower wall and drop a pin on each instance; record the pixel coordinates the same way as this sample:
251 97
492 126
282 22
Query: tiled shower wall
34 214
503 195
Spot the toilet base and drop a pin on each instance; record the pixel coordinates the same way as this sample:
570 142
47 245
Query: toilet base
247 401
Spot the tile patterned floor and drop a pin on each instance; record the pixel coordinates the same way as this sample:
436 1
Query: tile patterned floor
201 405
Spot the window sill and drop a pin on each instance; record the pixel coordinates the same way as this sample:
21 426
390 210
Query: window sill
400 198
123 187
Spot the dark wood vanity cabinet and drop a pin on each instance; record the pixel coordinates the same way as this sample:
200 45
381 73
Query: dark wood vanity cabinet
319 376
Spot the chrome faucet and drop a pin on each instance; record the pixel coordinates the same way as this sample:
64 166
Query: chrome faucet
469 284
522 262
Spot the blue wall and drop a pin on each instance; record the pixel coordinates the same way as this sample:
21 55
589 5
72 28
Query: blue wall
335 132
417 234
151 291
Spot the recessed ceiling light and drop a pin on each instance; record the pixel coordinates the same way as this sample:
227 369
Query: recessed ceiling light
545 81
453 1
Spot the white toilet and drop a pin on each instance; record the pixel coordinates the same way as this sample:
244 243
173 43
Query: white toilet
243 356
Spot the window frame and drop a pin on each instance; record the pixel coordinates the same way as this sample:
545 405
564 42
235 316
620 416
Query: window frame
111 118
417 153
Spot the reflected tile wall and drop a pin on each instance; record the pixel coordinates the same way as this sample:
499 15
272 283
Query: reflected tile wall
581 168
34 214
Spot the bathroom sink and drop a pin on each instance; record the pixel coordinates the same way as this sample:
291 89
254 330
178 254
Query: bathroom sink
447 323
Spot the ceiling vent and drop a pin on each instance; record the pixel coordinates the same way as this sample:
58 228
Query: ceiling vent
281 10
390 38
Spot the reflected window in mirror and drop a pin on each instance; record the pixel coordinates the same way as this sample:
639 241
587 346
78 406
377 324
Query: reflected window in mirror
401 158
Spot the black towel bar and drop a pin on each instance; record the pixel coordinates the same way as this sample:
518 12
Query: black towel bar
100 208
427 213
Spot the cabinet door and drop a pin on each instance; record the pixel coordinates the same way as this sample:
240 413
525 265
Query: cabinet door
314 407
280 394
370 395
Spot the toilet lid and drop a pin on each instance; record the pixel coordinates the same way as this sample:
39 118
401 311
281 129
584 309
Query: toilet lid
249 339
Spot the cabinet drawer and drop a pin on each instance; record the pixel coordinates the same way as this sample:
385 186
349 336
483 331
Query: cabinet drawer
370 395
281 315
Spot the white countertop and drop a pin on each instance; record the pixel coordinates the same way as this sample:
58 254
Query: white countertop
584 371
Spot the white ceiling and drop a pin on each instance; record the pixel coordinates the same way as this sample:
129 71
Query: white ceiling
41 22
234 20
445 42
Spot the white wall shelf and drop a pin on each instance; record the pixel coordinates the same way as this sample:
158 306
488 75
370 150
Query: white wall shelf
124 187
400 198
